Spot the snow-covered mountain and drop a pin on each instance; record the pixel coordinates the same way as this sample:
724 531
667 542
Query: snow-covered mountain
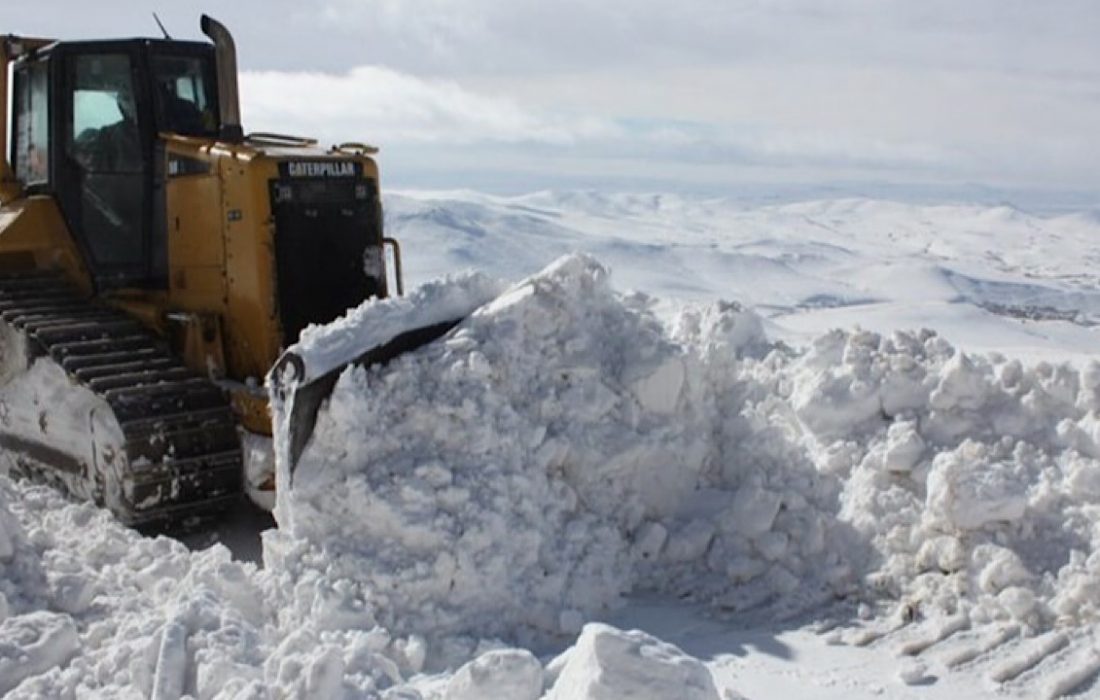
804 512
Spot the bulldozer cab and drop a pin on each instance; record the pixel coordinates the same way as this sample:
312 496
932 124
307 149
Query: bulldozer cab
85 123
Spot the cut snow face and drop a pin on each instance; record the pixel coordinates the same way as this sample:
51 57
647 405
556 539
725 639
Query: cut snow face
562 447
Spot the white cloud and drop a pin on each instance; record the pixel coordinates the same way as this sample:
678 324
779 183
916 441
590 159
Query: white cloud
525 36
992 91
393 108
391 105
995 91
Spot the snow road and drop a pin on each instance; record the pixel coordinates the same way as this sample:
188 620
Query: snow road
781 510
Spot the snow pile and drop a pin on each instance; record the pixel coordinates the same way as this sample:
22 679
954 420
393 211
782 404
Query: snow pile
335 344
609 663
31 640
96 608
17 561
974 478
562 448
556 451
92 609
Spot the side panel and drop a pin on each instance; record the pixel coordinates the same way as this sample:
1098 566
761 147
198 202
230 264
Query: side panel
196 249
33 235
221 259
253 341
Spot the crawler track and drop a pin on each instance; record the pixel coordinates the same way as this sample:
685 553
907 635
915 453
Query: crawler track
182 459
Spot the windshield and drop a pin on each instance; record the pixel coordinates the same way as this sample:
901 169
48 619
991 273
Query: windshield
184 95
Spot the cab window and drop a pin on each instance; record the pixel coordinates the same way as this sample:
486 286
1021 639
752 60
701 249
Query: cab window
184 90
31 141
103 136
106 158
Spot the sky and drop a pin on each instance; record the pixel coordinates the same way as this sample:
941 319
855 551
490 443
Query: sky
708 95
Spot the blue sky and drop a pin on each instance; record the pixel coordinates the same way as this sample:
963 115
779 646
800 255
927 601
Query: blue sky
643 94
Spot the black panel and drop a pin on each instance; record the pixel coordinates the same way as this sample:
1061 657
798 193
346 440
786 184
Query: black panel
323 229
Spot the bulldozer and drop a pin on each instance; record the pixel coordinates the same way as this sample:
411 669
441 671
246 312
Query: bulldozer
155 264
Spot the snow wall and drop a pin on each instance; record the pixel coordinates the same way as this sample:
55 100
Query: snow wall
563 447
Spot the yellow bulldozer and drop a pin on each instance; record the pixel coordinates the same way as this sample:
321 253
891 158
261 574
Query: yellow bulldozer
155 262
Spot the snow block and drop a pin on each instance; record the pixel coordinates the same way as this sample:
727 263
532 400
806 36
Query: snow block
607 664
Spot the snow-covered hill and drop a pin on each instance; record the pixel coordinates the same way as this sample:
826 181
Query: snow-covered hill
804 512
973 273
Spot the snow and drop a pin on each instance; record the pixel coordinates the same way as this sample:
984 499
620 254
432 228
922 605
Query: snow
607 663
990 278
33 643
867 511
323 348
29 389
500 673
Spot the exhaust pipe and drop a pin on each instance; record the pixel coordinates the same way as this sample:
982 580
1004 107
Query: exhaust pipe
229 101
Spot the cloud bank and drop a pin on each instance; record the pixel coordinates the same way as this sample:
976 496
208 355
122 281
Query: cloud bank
1001 92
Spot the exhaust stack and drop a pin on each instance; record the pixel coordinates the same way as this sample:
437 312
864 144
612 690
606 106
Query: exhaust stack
229 102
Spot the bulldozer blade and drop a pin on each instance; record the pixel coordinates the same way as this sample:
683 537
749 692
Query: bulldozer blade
302 399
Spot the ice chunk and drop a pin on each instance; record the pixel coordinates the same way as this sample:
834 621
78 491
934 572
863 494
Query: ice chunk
171 663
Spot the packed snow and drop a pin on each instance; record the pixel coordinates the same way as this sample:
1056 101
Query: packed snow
488 516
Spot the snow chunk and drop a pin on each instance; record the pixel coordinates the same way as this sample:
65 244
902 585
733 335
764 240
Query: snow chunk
503 673
659 392
608 663
753 512
904 447
33 643
914 673
966 491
